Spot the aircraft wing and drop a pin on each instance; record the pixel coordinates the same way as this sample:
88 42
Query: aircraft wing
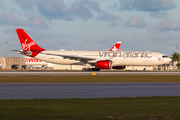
71 57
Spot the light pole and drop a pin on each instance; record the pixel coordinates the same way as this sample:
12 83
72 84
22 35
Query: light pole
6 49
177 47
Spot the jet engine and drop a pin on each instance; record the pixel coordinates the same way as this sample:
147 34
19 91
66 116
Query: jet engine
104 64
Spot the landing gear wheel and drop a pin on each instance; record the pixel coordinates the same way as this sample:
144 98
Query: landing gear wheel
84 69
97 69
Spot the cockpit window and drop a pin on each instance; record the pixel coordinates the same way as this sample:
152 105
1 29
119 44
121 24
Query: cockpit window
164 56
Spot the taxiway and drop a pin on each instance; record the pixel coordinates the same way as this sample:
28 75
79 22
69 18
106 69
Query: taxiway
89 73
86 90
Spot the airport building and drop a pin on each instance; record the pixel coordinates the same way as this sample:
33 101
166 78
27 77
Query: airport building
32 63
12 62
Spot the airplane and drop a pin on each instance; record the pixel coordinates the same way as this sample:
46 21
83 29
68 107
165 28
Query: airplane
94 60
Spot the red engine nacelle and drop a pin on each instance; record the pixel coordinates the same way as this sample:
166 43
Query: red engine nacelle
119 67
104 64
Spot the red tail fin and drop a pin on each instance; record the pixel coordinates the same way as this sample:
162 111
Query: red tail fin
116 47
27 43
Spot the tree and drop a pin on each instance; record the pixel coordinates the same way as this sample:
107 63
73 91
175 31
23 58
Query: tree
178 65
176 57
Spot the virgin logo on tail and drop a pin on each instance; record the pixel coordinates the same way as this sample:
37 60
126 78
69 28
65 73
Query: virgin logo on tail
26 46
116 47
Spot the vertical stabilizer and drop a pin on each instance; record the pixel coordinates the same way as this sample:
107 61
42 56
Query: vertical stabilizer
28 44
116 47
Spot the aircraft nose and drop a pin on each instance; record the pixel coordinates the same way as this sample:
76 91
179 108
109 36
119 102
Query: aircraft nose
169 60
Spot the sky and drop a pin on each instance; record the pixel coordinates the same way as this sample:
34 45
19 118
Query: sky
92 25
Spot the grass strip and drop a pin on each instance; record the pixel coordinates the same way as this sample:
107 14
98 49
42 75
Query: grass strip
142 108
87 78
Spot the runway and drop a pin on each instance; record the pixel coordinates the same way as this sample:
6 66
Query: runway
89 73
86 90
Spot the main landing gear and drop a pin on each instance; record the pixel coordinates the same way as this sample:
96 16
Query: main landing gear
90 69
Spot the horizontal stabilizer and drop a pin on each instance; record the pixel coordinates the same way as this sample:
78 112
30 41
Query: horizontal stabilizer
21 52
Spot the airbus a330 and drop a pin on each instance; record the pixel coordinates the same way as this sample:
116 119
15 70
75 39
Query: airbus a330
94 60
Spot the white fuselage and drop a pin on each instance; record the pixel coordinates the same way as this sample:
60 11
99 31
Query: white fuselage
125 58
